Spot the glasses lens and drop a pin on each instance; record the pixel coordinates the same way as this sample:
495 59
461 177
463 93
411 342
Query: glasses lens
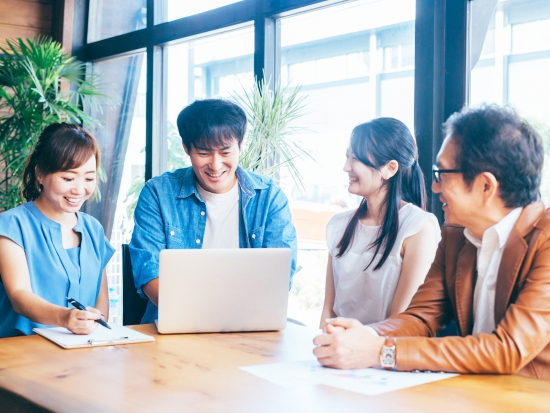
435 172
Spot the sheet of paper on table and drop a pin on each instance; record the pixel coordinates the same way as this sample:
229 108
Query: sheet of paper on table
366 381
100 337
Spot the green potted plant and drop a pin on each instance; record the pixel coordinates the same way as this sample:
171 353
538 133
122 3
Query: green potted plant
39 85
271 140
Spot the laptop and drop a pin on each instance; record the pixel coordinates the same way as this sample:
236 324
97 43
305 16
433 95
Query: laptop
223 290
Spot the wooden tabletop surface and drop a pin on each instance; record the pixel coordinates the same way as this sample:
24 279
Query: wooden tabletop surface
200 373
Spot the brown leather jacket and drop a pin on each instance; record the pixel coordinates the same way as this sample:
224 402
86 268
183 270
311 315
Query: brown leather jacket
520 342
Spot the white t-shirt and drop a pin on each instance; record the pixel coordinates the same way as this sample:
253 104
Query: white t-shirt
222 218
368 295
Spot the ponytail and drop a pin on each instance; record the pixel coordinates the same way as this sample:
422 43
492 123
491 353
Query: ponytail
414 188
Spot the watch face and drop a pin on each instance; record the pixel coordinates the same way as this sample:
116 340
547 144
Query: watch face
388 357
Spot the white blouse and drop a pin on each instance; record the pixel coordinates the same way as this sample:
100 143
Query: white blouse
367 295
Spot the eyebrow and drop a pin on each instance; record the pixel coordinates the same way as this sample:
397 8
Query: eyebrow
225 148
73 172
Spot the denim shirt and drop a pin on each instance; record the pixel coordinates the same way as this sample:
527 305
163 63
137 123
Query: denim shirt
171 214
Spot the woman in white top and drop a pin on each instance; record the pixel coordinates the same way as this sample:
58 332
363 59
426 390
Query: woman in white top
380 253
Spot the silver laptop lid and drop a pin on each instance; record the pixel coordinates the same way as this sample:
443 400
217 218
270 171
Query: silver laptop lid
222 290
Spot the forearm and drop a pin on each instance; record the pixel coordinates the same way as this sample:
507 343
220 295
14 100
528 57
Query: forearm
327 312
103 306
37 309
466 355
151 290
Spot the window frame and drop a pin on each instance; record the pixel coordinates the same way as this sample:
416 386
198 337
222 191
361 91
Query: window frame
441 30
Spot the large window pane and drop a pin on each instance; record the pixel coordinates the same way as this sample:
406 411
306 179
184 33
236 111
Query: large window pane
122 139
176 9
355 62
210 67
515 64
112 18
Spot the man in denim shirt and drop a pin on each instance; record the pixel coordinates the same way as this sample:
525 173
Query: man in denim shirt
212 204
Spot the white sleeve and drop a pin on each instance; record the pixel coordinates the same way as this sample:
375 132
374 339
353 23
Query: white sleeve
416 222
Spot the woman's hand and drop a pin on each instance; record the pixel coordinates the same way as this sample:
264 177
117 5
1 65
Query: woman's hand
82 321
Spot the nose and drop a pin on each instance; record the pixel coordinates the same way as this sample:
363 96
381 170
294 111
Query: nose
79 187
347 165
216 162
436 187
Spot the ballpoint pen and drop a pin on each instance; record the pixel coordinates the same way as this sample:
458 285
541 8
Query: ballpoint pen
79 306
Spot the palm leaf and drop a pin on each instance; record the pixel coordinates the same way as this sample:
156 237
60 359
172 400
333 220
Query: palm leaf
31 73
272 141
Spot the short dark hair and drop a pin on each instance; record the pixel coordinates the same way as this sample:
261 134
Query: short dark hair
60 147
496 139
211 123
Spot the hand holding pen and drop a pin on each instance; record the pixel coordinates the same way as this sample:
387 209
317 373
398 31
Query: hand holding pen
83 320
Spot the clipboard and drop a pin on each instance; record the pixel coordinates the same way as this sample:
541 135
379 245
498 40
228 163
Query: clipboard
100 337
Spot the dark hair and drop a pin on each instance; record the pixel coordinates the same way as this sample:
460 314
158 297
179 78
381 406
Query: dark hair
211 123
60 147
376 143
495 139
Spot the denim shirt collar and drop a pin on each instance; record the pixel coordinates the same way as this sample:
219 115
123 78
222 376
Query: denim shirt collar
248 183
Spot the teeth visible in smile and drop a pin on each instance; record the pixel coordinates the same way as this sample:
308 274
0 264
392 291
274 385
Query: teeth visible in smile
353 179
73 200
214 175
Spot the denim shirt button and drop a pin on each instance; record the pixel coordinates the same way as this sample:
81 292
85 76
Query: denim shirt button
198 241
253 236
172 233
202 212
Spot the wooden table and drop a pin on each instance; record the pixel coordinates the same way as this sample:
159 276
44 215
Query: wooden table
199 373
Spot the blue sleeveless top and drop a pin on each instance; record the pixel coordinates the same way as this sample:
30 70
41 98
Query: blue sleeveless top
55 272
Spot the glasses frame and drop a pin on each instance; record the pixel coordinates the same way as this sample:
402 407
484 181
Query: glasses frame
436 172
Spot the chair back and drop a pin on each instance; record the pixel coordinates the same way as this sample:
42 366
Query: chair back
133 305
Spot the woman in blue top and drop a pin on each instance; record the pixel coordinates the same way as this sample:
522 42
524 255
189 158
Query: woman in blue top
48 249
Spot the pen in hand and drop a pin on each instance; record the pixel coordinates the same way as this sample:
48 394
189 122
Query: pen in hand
79 306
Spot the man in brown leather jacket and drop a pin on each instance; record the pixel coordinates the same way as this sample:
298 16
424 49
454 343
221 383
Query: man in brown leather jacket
491 272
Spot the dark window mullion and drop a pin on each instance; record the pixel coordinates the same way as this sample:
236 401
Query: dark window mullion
265 42
149 97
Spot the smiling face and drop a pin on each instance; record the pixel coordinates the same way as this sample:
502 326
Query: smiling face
66 191
215 168
460 203
364 180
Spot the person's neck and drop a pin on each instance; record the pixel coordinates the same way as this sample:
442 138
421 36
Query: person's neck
59 216
376 209
492 216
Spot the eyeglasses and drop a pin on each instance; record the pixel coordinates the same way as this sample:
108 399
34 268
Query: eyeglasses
437 172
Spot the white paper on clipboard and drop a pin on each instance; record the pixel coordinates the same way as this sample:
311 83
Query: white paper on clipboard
100 337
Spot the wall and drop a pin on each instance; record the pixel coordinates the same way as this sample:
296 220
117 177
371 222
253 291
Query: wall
25 18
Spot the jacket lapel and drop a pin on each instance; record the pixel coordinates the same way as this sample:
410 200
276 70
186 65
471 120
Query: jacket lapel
465 282
513 256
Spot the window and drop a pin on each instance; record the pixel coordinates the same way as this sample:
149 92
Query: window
210 67
122 140
176 9
113 18
355 62
514 66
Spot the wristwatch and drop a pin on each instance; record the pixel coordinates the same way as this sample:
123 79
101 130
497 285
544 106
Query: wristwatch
387 353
